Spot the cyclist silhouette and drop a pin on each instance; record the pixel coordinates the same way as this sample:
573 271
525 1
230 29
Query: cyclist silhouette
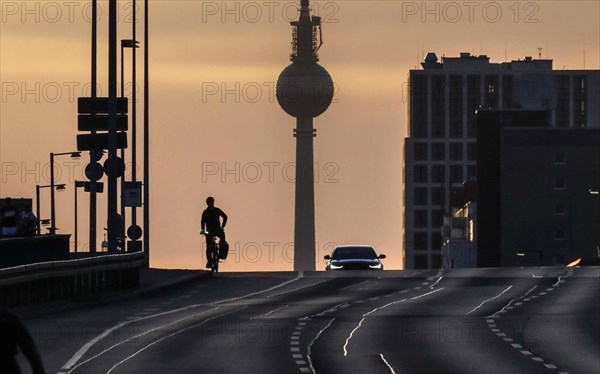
15 337
211 225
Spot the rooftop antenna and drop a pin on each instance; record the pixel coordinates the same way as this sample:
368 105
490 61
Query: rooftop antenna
540 53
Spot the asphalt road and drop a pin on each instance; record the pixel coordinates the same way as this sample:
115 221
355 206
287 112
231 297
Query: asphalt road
535 320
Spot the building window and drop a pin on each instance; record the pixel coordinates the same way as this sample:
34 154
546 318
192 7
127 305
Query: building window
559 234
559 209
559 159
437 196
472 151
421 241
421 262
456 174
420 217
420 173
437 219
420 196
437 241
559 184
438 174
438 151
456 151
471 173
420 152
491 88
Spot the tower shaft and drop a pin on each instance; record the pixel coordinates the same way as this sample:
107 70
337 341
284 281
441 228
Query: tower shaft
304 226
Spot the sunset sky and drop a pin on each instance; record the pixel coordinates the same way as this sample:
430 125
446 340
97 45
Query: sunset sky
216 127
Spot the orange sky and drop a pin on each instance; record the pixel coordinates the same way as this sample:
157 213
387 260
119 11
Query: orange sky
217 130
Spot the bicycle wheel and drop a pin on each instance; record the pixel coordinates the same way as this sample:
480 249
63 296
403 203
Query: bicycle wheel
214 261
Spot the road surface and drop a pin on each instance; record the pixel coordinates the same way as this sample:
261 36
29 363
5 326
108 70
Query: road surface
533 320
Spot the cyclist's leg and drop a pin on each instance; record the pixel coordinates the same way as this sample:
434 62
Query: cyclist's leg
209 240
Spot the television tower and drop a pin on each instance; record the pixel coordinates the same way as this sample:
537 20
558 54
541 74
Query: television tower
304 90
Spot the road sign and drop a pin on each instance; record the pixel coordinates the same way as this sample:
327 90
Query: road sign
120 167
132 194
94 171
88 142
87 105
99 122
87 186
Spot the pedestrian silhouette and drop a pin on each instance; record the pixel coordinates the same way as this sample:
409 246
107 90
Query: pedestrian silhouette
14 337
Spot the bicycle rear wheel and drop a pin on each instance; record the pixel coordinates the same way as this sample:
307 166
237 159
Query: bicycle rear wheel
214 261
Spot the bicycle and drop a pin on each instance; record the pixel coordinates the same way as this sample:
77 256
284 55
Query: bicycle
213 251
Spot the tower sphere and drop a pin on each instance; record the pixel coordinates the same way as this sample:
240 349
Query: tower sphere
304 89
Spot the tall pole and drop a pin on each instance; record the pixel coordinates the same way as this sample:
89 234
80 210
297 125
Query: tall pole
75 228
122 149
134 112
146 142
93 194
37 208
52 206
112 126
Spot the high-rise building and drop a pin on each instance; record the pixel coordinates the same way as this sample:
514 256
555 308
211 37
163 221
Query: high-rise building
440 149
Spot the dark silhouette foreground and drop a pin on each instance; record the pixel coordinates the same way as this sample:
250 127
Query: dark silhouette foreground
14 337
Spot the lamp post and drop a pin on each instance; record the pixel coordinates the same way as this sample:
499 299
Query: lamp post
146 184
133 44
52 205
59 187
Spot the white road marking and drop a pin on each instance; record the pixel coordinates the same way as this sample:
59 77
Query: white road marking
379 308
436 282
137 336
83 350
269 313
387 363
507 306
559 281
309 349
86 347
170 335
350 336
353 285
517 346
297 289
550 366
485 301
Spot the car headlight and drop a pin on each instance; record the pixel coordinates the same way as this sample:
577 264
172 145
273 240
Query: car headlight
376 266
335 267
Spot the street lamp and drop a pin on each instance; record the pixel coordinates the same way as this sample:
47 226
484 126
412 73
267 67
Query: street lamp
594 192
73 155
60 187
128 43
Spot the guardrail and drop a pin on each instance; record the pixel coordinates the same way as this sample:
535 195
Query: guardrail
68 279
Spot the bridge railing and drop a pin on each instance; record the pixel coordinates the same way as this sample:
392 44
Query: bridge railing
68 279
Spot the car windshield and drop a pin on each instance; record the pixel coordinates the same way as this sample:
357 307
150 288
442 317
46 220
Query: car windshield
347 253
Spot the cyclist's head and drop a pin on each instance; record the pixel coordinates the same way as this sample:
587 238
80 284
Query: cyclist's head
210 201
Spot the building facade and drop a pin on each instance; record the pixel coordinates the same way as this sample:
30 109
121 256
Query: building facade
548 215
440 149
